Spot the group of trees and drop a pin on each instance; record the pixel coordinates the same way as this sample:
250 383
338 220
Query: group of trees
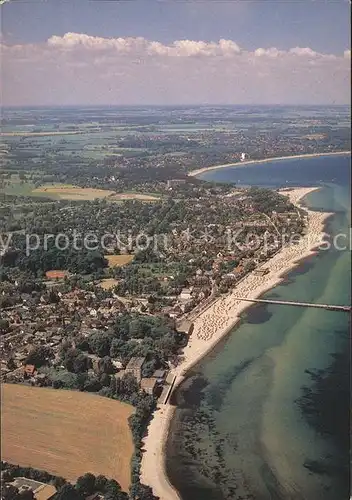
85 485
39 356
87 360
11 471
80 261
268 200
132 335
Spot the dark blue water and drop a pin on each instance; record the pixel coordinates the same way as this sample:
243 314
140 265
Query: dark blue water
240 429
289 172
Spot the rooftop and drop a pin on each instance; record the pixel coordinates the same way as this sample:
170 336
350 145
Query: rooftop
148 383
55 273
42 491
185 326
135 363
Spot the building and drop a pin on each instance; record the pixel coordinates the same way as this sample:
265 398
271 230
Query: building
186 294
117 364
41 491
185 326
134 367
159 375
120 374
149 385
56 274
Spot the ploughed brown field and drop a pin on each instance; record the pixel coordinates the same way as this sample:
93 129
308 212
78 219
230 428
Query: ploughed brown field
118 260
66 433
108 283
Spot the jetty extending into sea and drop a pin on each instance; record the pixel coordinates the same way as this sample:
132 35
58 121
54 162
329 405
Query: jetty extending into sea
329 307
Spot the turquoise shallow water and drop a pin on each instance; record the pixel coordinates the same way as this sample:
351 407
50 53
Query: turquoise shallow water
239 431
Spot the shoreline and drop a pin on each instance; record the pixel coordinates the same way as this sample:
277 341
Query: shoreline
214 324
200 171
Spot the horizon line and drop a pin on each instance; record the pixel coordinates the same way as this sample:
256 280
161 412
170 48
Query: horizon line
153 105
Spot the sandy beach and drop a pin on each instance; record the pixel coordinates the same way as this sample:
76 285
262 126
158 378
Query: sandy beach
265 160
211 325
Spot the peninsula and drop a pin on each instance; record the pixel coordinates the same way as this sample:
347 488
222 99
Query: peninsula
195 173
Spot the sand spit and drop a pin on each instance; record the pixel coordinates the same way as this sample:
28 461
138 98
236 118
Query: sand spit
194 173
211 326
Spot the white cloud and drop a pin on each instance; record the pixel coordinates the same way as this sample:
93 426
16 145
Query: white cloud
272 52
79 68
179 48
304 51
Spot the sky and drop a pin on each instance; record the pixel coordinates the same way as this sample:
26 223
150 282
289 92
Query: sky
71 52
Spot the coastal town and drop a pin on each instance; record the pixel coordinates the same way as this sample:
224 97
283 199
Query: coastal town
213 243
175 250
61 335
117 277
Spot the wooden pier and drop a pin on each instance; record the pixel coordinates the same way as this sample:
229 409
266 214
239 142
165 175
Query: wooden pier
329 307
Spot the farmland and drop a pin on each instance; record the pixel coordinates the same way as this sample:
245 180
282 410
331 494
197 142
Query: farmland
133 196
69 192
108 283
66 433
118 260
38 134
13 185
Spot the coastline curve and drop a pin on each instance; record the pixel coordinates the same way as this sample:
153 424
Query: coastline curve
200 171
213 325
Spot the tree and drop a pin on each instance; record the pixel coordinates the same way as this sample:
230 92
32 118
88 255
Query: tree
129 384
112 485
68 492
76 362
26 495
100 344
100 483
116 495
9 492
113 491
116 347
4 326
142 492
81 381
105 365
39 356
91 384
58 482
249 266
53 297
11 365
86 484
138 328
105 380
149 368
81 364
81 343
